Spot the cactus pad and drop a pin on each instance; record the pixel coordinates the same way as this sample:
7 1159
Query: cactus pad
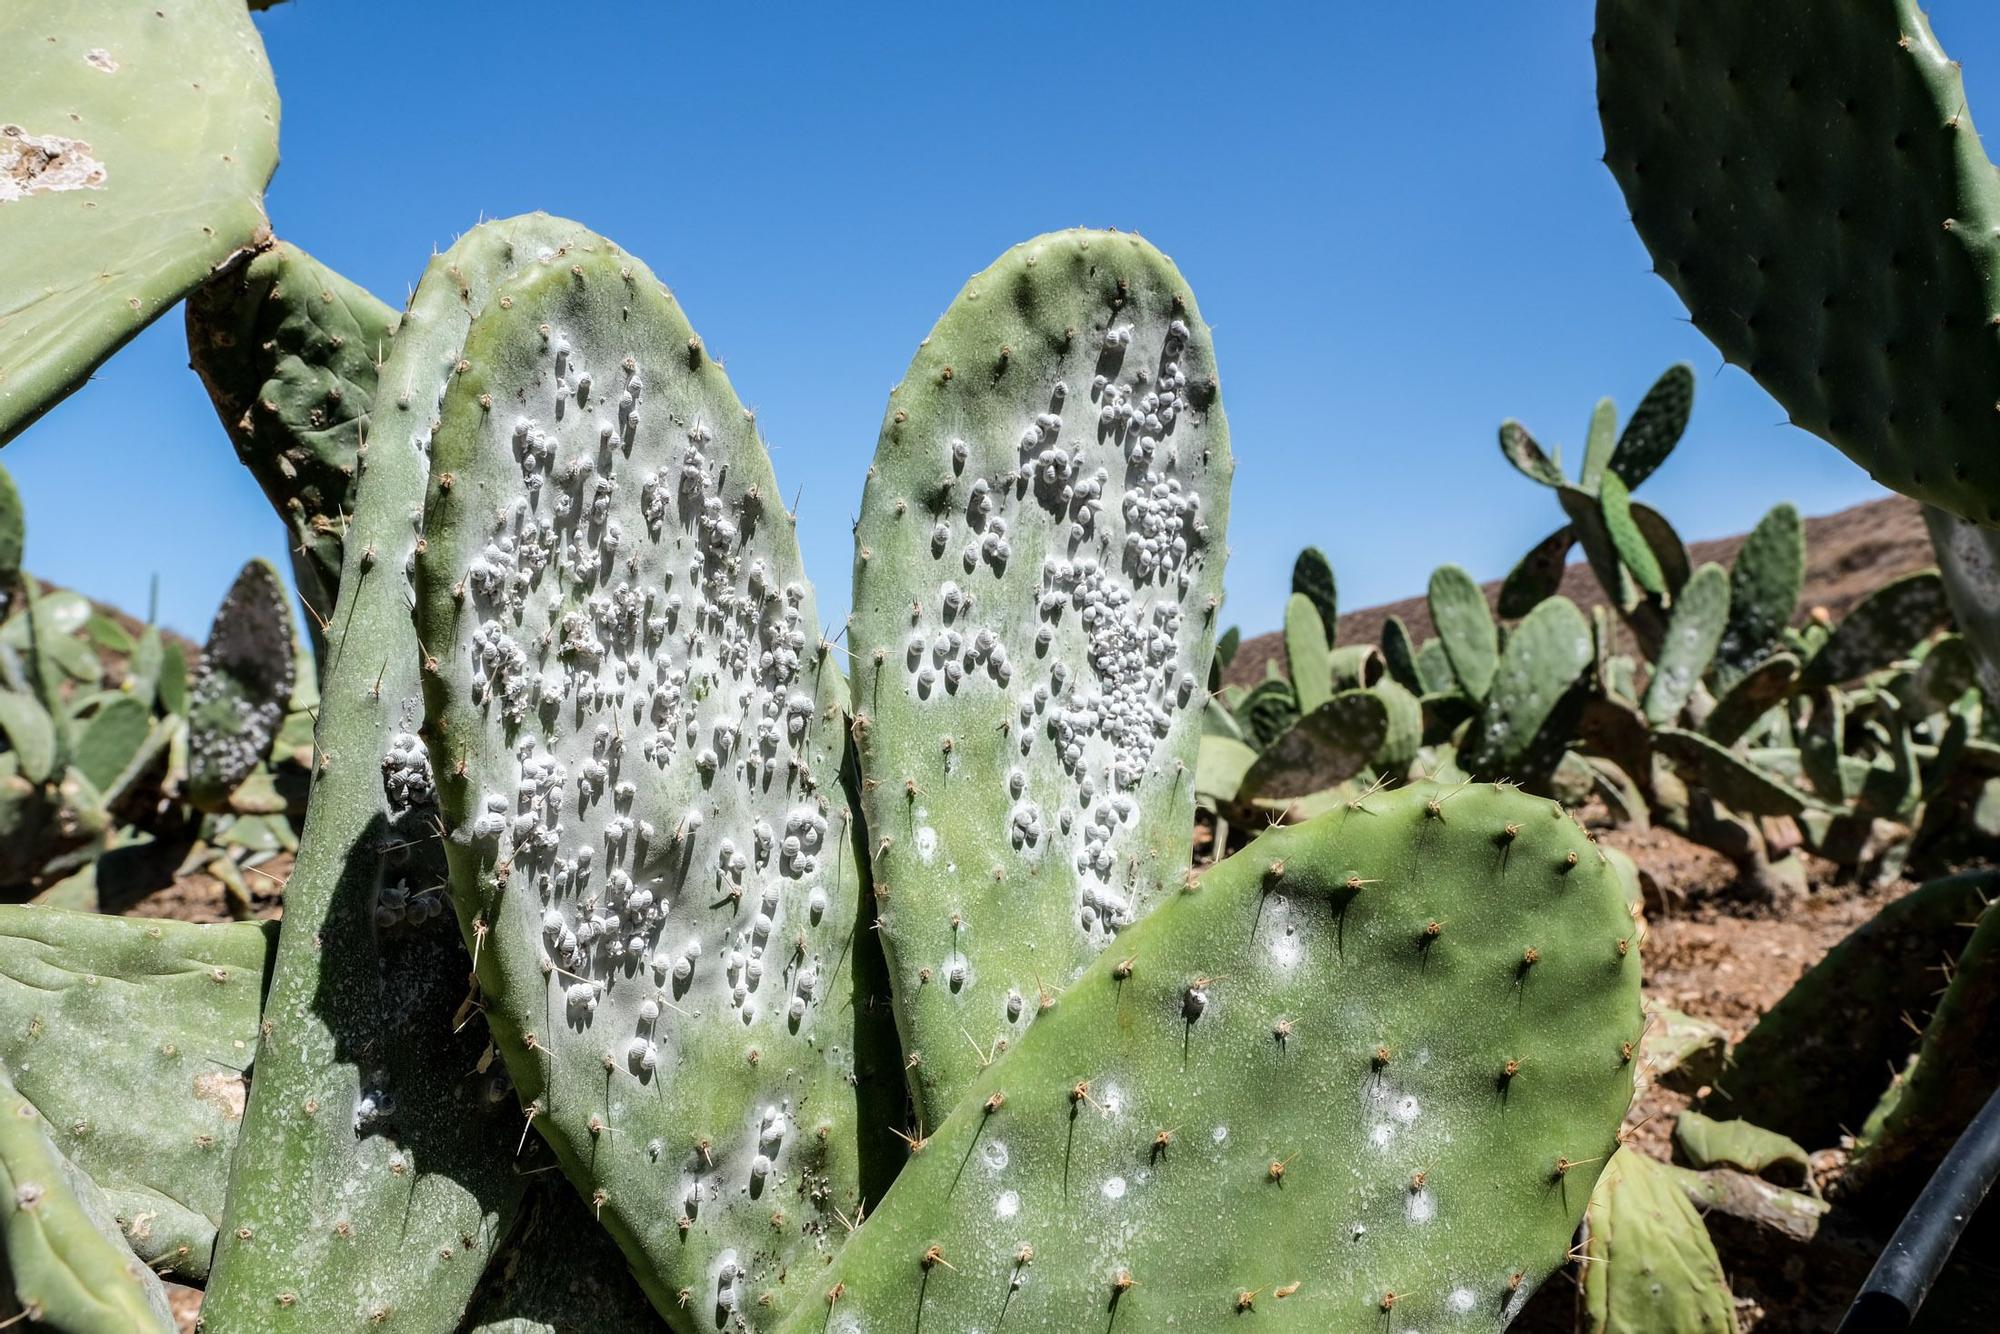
1776 182
638 739
1648 1262
1465 627
135 1038
242 686
1764 585
1038 565
1391 1046
133 161
289 350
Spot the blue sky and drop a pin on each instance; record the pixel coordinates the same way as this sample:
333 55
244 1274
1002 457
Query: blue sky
1397 226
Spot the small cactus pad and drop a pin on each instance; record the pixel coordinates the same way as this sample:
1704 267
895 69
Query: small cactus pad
1614 504
1312 575
1537 575
1702 1142
1693 630
289 349
1465 625
1764 586
1655 426
72 1271
135 148
638 741
1776 182
1648 1264
1881 628
1037 569
135 1038
368 1035
1307 661
1371 1063
242 687
1323 748
1546 654
1754 694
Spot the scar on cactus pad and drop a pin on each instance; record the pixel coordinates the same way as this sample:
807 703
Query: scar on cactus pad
1390 1045
1038 565
638 743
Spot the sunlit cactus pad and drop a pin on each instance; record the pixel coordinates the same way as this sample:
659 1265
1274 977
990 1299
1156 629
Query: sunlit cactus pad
1037 568
638 736
1369 1067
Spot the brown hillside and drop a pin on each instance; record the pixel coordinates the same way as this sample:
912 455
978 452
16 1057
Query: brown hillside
1847 555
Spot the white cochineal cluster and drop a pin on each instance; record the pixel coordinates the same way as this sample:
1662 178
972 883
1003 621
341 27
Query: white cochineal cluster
1099 484
657 774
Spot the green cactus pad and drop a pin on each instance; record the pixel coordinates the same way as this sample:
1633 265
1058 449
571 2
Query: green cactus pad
1693 630
13 535
1634 553
1754 694
1654 427
369 1035
1728 777
1776 182
1956 1070
1323 748
1969 563
1307 661
1220 766
1702 1142
1355 666
1465 627
71 1269
638 739
1764 586
1598 444
1648 1262
133 161
1546 654
241 688
289 351
1537 575
1883 627
135 1038
31 732
1312 575
1038 565
1520 449
1267 712
1399 655
1390 1046
1404 735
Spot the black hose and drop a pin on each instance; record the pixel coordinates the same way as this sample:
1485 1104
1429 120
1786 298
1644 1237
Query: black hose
1902 1277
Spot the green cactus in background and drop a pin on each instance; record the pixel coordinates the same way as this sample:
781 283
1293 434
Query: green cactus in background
1038 564
134 1039
1694 631
1955 1071
134 163
242 686
1308 661
1448 969
1312 576
1529 713
1648 1262
1765 580
289 351
1702 1142
619 741
1465 628
71 1269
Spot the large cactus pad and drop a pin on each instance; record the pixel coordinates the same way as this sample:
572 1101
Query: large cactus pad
1371 1065
638 737
1037 569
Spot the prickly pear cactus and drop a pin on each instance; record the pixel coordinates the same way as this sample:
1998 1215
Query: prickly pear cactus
133 158
289 351
71 1269
1307 660
1392 1046
134 1039
1466 628
1764 584
638 737
1717 121
409 1149
242 686
1037 569
1969 563
1511 737
1694 629
1648 1262
1312 575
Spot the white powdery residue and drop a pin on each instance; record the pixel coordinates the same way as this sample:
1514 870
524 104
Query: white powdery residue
1406 1109
1114 1188
994 1155
1421 1208
1219 1134
1007 1205
1461 1301
1380 1134
927 844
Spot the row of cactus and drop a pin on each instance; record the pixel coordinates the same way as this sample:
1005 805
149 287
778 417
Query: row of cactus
771 934
1862 741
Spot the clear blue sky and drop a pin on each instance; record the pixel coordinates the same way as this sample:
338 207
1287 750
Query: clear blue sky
1394 217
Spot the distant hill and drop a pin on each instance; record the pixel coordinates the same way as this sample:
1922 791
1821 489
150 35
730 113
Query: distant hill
1847 555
